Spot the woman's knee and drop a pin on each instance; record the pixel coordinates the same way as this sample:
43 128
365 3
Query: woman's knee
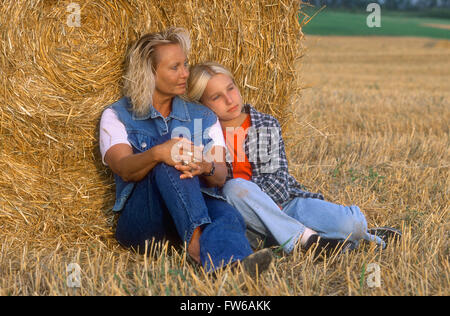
165 175
163 169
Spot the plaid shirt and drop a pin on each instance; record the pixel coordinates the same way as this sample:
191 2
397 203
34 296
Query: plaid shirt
269 164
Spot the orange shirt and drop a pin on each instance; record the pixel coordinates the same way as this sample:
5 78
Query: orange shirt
241 166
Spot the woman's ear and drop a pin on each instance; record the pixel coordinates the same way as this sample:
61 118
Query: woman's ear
202 100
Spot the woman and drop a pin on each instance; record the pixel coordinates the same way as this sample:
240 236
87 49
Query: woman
140 141
271 201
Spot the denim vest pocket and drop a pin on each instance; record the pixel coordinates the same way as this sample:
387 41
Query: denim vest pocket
122 195
140 140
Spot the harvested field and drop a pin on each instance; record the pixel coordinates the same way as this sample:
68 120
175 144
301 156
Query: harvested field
371 129
61 64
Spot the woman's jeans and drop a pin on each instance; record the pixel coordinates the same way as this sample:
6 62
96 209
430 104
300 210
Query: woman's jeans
286 226
163 206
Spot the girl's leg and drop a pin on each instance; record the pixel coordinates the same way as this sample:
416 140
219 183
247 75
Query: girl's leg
262 214
329 220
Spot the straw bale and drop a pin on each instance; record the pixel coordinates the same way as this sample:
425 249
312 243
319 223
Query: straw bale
56 80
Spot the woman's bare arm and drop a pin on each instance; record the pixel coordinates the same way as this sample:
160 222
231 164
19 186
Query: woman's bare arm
129 166
133 167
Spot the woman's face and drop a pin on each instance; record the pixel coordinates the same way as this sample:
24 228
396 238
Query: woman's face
171 70
223 97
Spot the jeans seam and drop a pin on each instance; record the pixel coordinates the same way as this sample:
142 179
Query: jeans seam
178 192
193 224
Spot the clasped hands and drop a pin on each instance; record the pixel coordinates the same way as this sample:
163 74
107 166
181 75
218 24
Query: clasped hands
187 158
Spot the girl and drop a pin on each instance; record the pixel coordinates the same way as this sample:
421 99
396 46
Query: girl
259 185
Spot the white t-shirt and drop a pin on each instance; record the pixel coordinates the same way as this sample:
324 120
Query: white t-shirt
113 132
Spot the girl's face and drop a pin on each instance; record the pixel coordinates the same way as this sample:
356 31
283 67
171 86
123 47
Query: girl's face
223 97
171 71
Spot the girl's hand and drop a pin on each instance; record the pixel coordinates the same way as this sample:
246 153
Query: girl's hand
193 169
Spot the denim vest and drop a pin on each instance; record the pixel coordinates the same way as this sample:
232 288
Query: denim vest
189 120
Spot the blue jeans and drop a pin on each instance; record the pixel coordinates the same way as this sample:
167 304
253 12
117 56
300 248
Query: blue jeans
162 206
286 226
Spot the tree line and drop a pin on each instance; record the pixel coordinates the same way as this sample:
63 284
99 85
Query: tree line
387 4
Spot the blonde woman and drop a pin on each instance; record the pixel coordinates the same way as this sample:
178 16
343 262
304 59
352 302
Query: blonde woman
147 139
259 185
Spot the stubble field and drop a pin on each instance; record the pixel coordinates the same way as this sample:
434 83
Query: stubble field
374 131
371 128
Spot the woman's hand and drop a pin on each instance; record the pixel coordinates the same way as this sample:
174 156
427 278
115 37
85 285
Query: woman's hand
202 165
194 169
179 150
191 162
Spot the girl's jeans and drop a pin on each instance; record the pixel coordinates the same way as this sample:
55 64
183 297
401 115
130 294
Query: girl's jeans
164 206
286 226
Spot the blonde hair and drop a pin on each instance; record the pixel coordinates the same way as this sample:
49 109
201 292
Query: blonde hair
199 76
139 75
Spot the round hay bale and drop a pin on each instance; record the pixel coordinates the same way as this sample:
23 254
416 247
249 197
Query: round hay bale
61 64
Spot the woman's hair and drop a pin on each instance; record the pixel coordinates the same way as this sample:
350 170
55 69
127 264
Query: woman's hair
199 76
139 76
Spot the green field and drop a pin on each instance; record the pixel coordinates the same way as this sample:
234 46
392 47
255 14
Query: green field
332 22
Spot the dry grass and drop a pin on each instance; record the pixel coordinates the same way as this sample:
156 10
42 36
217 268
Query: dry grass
55 80
372 131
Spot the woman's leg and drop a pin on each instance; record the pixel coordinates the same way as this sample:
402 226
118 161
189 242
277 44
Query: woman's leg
162 204
174 203
144 217
262 214
183 199
223 240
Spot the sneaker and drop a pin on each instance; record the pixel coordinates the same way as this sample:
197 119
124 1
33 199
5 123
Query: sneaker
386 233
257 262
327 246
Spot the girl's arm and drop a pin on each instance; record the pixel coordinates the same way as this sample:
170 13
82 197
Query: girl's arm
273 176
